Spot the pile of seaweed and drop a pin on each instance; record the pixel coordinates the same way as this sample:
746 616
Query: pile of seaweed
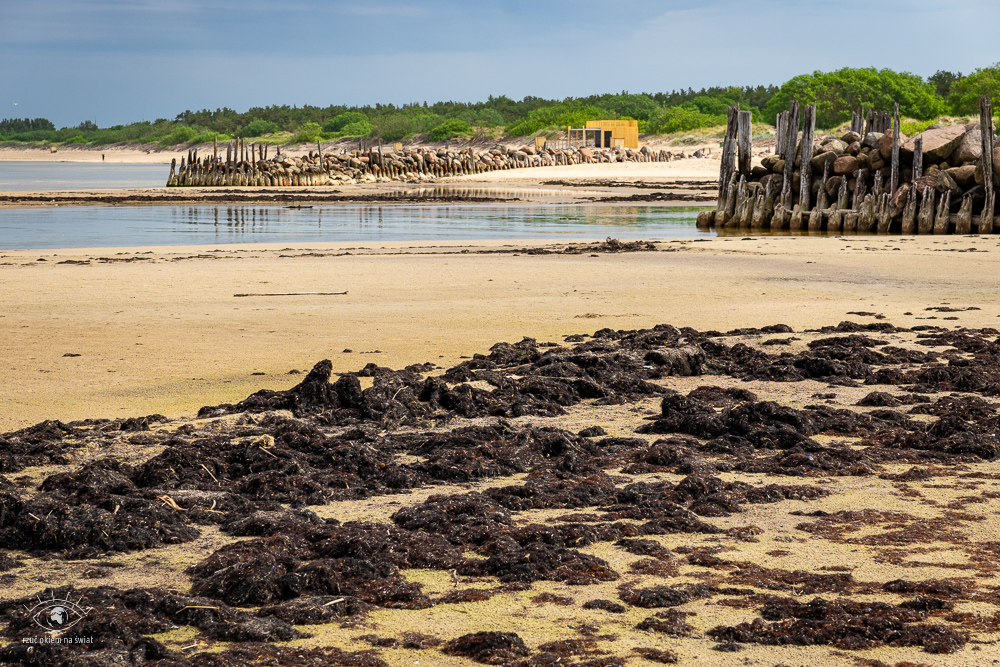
254 469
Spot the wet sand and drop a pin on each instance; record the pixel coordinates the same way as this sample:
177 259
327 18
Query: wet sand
159 330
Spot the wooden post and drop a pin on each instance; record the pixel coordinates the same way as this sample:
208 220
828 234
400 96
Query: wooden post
942 217
790 145
894 182
986 129
745 137
215 148
925 215
909 223
918 157
781 129
883 214
808 128
726 168
963 224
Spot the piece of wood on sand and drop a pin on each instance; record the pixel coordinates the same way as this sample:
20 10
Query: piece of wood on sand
292 293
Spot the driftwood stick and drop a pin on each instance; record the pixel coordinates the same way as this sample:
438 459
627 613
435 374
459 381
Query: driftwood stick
292 293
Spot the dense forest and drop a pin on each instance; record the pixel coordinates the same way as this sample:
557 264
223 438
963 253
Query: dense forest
674 113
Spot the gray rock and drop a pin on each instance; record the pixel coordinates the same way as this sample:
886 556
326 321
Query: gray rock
945 183
970 148
872 139
769 161
835 145
939 143
850 137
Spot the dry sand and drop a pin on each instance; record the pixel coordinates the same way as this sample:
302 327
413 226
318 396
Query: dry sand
164 333
111 155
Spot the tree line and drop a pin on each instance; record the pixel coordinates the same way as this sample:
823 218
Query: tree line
835 93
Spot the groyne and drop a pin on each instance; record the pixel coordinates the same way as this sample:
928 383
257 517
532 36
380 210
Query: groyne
869 179
249 164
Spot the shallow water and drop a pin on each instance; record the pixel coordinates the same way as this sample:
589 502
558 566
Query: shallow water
107 226
17 176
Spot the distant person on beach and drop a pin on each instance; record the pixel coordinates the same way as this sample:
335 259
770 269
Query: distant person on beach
102 157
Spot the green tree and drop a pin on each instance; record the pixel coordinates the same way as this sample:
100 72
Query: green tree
343 120
259 127
943 81
836 94
965 93
449 129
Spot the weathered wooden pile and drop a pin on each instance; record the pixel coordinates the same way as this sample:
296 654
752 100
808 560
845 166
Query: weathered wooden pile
249 165
870 179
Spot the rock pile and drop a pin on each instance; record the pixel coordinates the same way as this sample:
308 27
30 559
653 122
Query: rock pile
251 167
875 181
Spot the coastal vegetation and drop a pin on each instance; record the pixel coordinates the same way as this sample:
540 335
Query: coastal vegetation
683 114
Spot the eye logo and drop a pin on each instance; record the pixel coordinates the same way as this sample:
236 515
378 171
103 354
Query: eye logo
57 614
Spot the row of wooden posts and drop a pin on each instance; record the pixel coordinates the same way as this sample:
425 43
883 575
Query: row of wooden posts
248 164
744 204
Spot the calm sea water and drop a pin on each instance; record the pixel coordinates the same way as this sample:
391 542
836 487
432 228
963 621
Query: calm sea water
23 176
106 226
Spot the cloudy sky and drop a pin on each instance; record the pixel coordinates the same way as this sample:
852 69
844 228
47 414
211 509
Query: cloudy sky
118 61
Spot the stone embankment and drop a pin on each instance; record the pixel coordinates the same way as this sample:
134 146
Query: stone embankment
249 165
872 178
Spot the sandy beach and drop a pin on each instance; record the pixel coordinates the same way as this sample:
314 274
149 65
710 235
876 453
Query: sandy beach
617 529
159 329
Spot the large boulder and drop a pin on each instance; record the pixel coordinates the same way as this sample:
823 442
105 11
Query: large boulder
939 143
845 164
885 144
872 139
850 137
964 176
833 144
970 148
945 183
833 186
817 162
996 171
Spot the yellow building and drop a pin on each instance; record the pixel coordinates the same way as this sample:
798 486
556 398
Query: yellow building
617 132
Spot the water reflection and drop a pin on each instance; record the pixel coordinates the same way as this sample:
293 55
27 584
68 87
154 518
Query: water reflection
474 192
189 225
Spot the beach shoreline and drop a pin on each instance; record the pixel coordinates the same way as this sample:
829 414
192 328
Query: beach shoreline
159 330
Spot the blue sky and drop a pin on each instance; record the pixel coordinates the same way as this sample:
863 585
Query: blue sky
118 61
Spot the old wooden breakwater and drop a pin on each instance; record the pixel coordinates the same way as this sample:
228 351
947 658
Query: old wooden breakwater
249 165
870 179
